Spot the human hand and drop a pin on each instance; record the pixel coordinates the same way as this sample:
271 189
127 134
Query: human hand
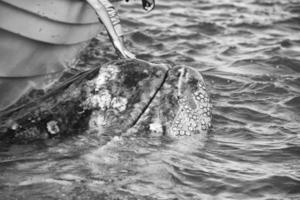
148 5
119 46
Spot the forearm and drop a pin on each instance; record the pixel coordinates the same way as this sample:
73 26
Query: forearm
103 15
109 17
113 15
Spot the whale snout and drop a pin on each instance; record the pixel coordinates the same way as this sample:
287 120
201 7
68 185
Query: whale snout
193 114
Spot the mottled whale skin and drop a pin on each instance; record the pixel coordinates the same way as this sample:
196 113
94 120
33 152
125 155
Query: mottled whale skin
117 98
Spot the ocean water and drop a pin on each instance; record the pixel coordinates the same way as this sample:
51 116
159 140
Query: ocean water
249 54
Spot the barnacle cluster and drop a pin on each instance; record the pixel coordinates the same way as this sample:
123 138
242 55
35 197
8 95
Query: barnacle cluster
194 114
100 98
97 94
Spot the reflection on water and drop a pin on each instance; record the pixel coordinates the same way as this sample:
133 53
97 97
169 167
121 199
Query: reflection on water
249 53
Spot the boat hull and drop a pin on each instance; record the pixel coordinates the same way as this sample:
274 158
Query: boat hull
38 39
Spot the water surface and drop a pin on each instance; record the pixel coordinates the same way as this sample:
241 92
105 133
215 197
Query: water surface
249 54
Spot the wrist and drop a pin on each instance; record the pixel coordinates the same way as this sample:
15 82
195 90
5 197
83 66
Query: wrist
117 43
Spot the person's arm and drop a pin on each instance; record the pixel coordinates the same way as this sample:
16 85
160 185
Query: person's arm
113 16
104 9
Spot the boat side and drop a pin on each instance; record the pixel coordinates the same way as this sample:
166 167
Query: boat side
35 26
34 45
67 11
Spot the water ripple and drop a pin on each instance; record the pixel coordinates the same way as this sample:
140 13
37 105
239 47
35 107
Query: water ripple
249 54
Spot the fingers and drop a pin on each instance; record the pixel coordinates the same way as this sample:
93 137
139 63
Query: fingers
129 54
126 54
119 46
123 51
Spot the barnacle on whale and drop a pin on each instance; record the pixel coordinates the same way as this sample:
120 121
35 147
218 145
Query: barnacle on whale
194 113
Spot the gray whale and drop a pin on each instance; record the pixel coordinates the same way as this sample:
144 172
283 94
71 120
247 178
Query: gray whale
116 98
